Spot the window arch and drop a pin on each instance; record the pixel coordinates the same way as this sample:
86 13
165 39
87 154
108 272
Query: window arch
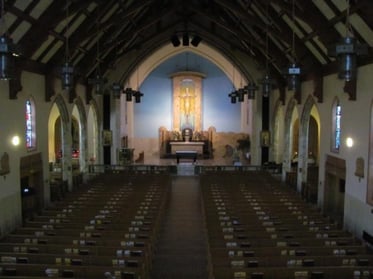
336 126
30 132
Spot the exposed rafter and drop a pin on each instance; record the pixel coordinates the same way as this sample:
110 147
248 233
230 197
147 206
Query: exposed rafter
232 26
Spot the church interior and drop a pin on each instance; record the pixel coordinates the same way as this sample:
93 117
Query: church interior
206 139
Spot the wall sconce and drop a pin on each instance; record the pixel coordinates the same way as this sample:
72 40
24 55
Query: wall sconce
16 140
349 142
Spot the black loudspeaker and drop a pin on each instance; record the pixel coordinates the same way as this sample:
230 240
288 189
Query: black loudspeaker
185 39
175 40
196 40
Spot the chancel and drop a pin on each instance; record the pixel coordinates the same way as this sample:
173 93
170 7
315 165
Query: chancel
139 166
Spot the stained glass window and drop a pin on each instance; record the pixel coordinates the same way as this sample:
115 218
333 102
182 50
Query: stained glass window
338 115
30 130
336 131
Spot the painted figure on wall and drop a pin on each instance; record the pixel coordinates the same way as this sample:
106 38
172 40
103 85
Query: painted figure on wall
187 104
187 101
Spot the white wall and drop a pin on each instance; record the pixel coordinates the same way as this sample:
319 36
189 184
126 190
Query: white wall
355 124
12 122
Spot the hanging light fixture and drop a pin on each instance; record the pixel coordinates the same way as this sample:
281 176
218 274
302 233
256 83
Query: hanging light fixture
137 95
233 96
99 81
266 82
8 50
250 90
239 94
347 50
116 88
67 72
128 92
134 93
293 71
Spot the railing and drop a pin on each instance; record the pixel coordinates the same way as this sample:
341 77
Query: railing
96 169
227 168
171 169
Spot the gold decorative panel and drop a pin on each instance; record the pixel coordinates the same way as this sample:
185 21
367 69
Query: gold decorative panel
187 101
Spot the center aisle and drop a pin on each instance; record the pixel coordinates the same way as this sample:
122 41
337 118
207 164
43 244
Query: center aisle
182 246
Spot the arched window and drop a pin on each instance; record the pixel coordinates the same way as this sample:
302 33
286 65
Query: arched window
30 125
336 128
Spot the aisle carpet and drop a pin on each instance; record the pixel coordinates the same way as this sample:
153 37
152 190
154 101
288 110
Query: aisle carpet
182 247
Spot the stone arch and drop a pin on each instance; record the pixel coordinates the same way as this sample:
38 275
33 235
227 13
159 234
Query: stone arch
83 133
64 115
287 154
277 132
309 109
93 133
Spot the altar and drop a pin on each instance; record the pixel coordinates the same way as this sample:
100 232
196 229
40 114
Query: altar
196 146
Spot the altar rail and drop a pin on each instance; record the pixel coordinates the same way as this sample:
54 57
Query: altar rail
96 169
171 169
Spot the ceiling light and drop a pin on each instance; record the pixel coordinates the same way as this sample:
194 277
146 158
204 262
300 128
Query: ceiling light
116 88
7 49
293 77
67 72
67 76
347 50
233 96
250 90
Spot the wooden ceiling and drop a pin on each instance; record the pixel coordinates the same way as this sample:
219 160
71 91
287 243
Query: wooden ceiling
95 34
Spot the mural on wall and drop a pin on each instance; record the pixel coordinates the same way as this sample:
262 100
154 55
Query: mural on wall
187 96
